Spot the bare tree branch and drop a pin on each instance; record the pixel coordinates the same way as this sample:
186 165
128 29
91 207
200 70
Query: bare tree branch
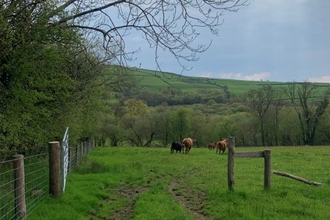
172 26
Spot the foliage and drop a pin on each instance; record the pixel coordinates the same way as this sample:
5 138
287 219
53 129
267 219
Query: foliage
47 79
33 82
181 124
213 121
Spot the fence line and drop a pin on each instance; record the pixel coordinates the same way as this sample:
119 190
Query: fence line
266 154
36 184
7 207
37 180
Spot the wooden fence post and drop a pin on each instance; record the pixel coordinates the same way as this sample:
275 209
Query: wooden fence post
19 186
55 168
268 171
231 152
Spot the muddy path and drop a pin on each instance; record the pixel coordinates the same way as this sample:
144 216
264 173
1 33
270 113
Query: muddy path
192 201
126 212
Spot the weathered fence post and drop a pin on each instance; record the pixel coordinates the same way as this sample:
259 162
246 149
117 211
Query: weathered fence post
268 172
231 152
19 186
55 168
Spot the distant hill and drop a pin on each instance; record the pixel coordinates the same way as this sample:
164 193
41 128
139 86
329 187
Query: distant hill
156 81
157 87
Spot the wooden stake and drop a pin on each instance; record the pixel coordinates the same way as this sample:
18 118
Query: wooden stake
309 182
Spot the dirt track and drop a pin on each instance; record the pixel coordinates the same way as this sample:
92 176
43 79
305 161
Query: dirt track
193 204
192 201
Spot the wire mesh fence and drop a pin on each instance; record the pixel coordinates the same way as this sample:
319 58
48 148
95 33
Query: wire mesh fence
36 180
77 153
34 172
7 205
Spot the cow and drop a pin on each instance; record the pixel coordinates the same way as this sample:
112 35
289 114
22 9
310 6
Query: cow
221 145
187 143
176 146
211 145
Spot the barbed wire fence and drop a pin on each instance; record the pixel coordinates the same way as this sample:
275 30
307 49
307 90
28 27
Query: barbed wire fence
25 181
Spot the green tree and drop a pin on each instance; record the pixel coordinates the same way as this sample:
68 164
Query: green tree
139 123
241 126
163 129
180 124
198 122
260 101
323 134
33 88
111 130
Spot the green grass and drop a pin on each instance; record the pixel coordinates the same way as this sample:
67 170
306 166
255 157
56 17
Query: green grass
149 183
156 81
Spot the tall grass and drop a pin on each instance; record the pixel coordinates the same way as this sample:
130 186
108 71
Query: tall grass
151 183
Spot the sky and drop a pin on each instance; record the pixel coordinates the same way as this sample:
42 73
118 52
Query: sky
268 40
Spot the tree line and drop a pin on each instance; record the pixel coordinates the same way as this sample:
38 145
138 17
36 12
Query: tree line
173 96
295 114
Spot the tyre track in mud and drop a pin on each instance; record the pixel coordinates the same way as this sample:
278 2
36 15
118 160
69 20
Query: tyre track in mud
193 204
126 212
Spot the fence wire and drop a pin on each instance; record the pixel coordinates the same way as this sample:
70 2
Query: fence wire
7 202
36 174
36 180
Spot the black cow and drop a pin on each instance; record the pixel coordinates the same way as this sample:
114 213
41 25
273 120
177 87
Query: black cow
176 146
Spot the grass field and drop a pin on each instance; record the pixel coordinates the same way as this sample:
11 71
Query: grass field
154 81
150 183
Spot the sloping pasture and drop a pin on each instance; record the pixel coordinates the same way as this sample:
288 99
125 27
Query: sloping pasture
151 183
155 80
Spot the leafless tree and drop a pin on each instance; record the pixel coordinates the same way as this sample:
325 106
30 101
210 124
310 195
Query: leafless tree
165 24
310 105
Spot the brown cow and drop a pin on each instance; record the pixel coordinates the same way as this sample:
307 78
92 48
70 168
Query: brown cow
187 143
221 145
211 145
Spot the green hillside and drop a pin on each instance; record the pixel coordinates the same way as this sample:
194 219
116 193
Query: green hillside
156 81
